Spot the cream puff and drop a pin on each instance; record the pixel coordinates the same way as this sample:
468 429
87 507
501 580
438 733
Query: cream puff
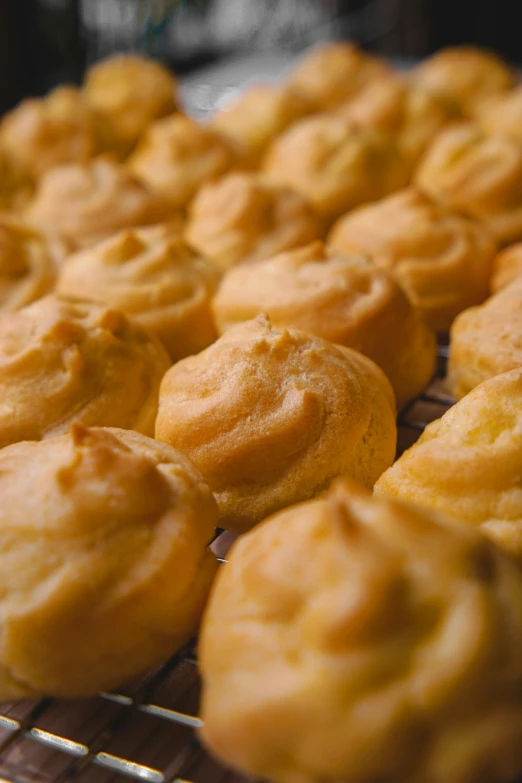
507 267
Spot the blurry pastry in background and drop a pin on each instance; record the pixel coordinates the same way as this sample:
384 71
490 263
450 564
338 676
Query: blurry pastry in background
344 299
158 281
335 164
477 175
87 202
507 267
241 217
502 116
486 340
42 133
468 75
442 260
176 156
131 91
468 464
334 72
357 639
64 361
272 417
15 184
104 564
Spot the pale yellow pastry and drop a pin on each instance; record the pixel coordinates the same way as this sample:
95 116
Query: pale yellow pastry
486 340
272 417
64 361
502 116
442 260
466 74
468 464
41 133
355 639
104 565
15 184
87 202
157 280
258 115
177 156
334 72
131 91
241 217
344 299
335 164
507 267
477 175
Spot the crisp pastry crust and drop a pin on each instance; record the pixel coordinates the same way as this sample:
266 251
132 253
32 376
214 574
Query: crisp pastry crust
64 361
131 91
334 72
466 74
468 464
335 164
502 116
442 260
88 202
272 417
477 175
344 299
15 185
242 218
177 156
507 267
105 568
153 277
354 639
486 340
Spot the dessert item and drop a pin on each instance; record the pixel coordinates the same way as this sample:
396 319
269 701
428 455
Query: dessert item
355 639
344 299
442 260
176 156
87 202
476 175
466 74
335 164
240 217
131 91
502 116
486 340
15 185
507 267
272 417
63 361
105 568
153 277
468 464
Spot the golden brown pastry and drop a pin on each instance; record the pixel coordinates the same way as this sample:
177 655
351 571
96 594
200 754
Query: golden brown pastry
42 133
241 217
88 202
502 115
64 361
131 91
272 417
357 639
15 185
442 260
486 340
476 175
344 299
466 74
507 267
105 568
468 464
334 72
258 115
157 280
177 156
335 164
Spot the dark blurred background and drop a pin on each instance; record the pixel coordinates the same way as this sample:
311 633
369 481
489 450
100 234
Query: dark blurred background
45 42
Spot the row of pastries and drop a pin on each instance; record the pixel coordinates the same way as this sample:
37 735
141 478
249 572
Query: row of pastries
205 325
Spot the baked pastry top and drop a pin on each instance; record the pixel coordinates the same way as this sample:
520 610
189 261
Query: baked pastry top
241 217
344 299
358 639
272 417
502 115
507 267
104 565
64 361
153 277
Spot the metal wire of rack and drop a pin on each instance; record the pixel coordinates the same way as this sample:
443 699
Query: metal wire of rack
145 732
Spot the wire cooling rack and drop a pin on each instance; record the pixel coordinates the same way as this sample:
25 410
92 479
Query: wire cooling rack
146 731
